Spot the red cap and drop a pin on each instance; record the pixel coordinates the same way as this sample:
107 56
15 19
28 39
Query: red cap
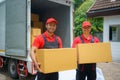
86 23
49 20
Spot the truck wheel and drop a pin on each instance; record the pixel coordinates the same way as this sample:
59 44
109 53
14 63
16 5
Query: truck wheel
12 69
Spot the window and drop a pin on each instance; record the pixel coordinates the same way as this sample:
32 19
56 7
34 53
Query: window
114 33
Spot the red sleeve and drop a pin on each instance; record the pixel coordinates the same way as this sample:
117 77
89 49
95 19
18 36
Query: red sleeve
96 40
76 41
38 42
59 42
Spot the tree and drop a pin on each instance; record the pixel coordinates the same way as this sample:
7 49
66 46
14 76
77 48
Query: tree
80 16
77 3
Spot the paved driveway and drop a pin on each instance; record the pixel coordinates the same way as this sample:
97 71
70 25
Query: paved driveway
111 71
5 76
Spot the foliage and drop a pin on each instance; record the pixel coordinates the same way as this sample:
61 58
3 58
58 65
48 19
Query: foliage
80 16
77 3
97 24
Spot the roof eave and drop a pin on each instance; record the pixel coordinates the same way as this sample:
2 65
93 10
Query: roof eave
104 12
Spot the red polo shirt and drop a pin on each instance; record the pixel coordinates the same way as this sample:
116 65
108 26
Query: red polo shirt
77 40
39 40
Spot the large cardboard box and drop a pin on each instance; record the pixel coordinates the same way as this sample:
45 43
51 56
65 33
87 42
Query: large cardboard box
94 53
54 60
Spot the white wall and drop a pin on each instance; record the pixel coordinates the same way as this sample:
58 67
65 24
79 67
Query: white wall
115 46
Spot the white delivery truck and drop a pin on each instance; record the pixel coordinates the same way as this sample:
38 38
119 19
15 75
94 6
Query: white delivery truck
15 31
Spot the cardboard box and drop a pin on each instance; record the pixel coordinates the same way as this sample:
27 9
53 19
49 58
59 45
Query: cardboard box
54 60
37 24
34 17
32 39
35 31
94 53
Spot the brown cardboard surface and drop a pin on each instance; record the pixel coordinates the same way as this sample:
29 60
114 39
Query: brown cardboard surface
34 17
32 39
35 31
94 53
37 24
54 60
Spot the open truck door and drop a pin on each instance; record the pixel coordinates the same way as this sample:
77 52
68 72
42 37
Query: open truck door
16 28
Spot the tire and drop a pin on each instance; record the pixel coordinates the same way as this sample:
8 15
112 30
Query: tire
12 69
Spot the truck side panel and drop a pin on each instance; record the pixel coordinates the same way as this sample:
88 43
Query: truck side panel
2 25
16 28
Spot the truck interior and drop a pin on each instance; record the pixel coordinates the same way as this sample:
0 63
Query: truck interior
17 11
46 9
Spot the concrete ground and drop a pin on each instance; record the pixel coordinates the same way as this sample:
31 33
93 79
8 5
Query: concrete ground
111 71
5 76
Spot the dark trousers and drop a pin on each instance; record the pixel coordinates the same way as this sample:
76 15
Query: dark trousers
49 76
86 70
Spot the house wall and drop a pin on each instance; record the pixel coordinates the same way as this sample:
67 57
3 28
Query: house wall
115 46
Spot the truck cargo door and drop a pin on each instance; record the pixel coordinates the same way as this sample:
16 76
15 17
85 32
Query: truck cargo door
16 28
2 25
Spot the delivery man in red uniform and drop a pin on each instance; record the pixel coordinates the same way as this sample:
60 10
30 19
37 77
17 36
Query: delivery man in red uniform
46 40
86 70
